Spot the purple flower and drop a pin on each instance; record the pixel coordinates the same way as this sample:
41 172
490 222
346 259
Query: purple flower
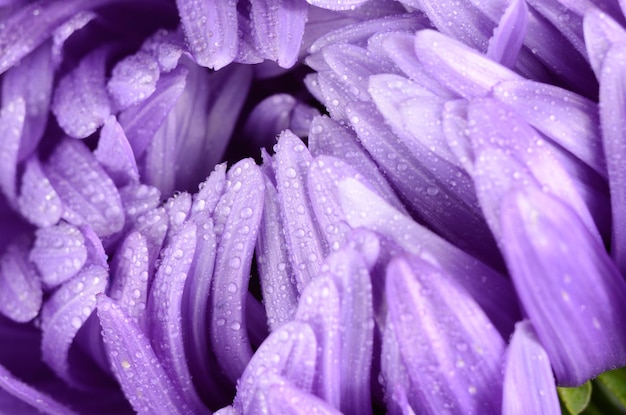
294 207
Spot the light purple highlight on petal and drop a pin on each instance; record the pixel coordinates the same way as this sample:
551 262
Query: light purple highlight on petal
81 102
133 79
445 341
20 285
337 5
278 29
613 126
115 153
138 199
134 363
178 208
86 191
166 47
601 32
280 296
165 312
32 80
59 253
508 36
209 192
38 201
211 30
12 116
64 31
287 399
154 226
568 286
529 386
64 314
304 242
236 218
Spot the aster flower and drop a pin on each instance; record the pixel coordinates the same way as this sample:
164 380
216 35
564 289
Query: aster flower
294 207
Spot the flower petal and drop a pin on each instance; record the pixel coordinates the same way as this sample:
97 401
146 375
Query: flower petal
508 36
489 289
134 78
286 399
87 193
304 242
64 313
59 253
446 342
38 201
567 285
337 5
115 153
134 363
12 116
209 193
210 30
20 286
81 102
601 32
280 296
529 386
237 221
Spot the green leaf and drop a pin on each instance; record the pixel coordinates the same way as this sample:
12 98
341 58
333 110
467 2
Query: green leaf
575 400
613 384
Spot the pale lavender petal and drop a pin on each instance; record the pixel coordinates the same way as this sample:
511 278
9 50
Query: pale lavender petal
337 5
81 102
138 199
134 363
129 274
96 254
64 31
227 410
566 20
280 295
328 137
115 153
20 286
463 70
178 208
141 122
456 132
59 253
209 192
567 284
278 29
320 307
12 116
289 352
42 402
133 79
38 201
601 32
613 126
31 80
167 48
508 36
286 399
304 242
529 386
237 221
445 340
491 290
573 124
165 309
64 313
86 191
352 279
154 226
210 30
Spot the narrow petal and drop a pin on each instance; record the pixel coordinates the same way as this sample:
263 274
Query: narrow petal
65 313
304 242
613 125
278 29
154 226
209 192
59 253
81 102
458 67
38 201
115 153
135 364
508 37
20 286
445 340
287 399
601 32
165 312
12 116
211 30
237 221
491 290
529 386
32 80
280 295
134 78
567 285
289 352
86 191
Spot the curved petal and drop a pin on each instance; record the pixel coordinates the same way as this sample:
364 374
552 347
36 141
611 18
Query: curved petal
20 287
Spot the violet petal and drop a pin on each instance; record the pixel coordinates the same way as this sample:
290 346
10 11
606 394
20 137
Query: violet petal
115 153
209 192
38 201
508 36
20 286
12 116
134 78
